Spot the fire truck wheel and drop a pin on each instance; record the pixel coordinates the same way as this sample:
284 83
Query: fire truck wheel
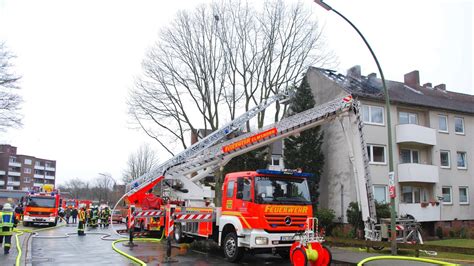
178 233
232 251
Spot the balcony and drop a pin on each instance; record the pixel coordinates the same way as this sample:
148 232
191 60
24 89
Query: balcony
14 164
50 177
39 167
49 168
12 173
38 184
422 214
2 183
39 176
410 133
415 172
2 172
13 183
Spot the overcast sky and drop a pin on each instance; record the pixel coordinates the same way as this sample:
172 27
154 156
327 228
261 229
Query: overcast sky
78 60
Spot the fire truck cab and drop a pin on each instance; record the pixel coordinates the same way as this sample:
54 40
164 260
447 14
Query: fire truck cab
263 210
42 208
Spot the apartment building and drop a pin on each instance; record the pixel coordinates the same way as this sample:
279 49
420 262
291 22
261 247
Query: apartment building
432 139
23 172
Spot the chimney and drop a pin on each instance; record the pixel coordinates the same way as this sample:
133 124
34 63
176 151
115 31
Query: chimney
372 76
413 78
428 85
354 72
441 87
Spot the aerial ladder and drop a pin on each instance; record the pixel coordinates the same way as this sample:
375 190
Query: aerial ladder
184 172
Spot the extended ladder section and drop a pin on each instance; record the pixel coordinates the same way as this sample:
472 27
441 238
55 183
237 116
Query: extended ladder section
218 155
202 145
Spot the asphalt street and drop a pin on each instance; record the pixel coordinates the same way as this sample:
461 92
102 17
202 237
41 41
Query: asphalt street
62 246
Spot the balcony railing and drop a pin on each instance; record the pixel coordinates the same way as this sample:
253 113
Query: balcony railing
410 133
39 176
13 183
48 168
2 172
423 212
39 167
13 173
38 184
14 164
2 182
415 172
50 177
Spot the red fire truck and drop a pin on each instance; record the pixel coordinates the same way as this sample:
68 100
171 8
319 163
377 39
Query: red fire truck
75 203
42 208
261 211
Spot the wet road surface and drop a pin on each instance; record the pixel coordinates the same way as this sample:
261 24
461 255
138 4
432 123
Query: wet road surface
53 247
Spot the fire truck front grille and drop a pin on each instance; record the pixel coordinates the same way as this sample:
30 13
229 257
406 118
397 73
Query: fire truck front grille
281 221
39 213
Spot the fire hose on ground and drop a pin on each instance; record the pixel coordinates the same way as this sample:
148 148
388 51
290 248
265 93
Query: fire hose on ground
105 236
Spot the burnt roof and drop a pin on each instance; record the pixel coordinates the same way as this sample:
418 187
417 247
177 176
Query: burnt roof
371 88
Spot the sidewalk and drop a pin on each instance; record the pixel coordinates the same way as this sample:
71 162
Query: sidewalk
345 256
10 259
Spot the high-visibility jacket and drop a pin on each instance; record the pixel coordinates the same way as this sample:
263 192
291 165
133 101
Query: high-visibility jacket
82 215
7 222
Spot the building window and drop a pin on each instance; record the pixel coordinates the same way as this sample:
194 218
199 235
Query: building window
373 114
459 125
461 160
376 154
27 170
412 194
12 159
445 159
380 193
463 195
443 123
27 179
28 161
407 118
275 161
409 156
447 195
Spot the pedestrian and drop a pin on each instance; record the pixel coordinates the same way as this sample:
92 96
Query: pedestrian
61 213
82 222
74 213
68 214
7 223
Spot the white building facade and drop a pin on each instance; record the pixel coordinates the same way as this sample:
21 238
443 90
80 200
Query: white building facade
432 140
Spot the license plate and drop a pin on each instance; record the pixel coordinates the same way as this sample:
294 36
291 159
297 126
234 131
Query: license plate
286 238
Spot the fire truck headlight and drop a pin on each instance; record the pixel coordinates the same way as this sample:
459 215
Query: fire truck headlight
260 240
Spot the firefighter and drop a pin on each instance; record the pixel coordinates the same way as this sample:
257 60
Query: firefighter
88 217
105 216
94 216
82 222
7 223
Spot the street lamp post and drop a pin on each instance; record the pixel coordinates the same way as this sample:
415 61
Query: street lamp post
389 130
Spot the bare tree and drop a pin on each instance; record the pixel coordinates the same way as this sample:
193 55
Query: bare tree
104 184
212 62
76 187
139 163
9 100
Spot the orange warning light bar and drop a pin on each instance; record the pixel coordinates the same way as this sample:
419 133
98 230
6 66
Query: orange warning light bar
249 140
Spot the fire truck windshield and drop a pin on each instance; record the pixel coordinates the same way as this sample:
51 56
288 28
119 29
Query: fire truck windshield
41 202
281 190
